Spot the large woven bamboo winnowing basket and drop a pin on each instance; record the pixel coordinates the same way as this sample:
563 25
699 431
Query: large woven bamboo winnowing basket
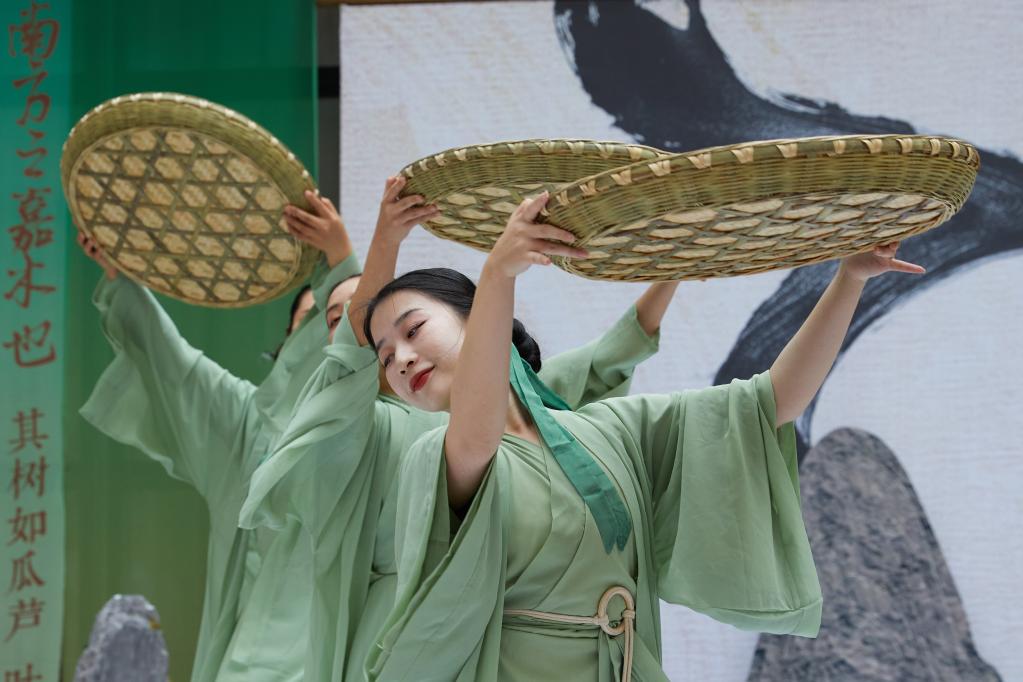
186 197
715 212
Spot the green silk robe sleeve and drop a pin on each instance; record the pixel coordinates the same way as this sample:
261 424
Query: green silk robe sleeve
711 483
448 609
326 474
302 352
166 398
722 486
603 367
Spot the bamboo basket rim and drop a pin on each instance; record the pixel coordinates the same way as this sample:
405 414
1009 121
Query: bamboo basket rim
241 135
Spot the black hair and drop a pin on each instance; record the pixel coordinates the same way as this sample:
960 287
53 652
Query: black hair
457 291
295 303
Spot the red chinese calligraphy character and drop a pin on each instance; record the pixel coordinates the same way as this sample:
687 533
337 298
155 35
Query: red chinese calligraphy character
28 430
31 205
34 97
22 343
32 170
24 616
26 527
23 574
16 675
31 231
32 476
25 283
38 37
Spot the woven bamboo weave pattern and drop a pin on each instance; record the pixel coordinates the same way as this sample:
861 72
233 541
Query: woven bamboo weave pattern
476 188
186 197
729 210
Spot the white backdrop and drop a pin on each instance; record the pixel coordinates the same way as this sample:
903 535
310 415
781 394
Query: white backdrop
936 378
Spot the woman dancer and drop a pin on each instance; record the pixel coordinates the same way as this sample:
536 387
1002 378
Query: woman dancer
533 543
210 429
334 468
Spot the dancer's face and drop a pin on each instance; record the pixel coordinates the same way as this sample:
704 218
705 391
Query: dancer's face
418 340
305 304
341 294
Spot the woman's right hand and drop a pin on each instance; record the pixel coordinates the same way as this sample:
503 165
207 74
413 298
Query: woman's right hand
525 242
398 216
93 251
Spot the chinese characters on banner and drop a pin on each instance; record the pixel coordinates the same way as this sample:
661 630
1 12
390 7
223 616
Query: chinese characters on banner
35 119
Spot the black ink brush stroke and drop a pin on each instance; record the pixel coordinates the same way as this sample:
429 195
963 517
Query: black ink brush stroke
675 89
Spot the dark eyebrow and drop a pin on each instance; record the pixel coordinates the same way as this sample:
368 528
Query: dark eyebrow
397 323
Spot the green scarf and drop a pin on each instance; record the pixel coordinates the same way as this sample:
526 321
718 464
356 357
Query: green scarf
586 476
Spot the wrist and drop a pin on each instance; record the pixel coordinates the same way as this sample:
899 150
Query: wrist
335 255
493 272
387 237
845 275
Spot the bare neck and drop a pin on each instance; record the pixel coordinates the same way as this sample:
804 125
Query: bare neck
519 423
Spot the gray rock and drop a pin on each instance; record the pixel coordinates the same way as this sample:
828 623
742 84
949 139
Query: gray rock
891 609
126 644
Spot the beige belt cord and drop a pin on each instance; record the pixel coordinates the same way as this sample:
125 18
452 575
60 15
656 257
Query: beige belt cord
625 627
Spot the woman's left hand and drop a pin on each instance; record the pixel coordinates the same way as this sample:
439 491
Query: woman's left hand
863 266
322 229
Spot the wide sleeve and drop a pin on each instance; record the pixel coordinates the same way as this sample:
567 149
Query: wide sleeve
166 398
446 620
322 452
722 483
323 284
302 351
603 367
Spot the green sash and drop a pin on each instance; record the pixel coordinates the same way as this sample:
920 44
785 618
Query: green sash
586 476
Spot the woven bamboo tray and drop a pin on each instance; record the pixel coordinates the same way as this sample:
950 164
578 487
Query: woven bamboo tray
724 211
476 188
186 197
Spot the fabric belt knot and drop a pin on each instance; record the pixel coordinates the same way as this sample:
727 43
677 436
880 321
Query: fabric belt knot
626 626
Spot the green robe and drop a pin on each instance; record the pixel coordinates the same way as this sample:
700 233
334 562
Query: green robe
335 470
210 429
711 484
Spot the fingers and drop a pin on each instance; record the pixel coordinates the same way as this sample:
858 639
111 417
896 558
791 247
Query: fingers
293 214
300 230
321 205
416 216
903 266
392 188
538 258
553 233
886 250
557 249
408 202
530 208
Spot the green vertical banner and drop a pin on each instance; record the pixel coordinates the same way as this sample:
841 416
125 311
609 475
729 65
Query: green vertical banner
35 109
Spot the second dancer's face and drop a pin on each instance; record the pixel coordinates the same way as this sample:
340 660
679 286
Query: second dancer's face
418 340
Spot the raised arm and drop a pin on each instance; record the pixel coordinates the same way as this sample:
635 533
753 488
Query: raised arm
603 367
801 367
397 217
480 392
651 306
165 397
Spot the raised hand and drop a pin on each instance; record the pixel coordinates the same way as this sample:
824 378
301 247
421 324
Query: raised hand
863 266
322 228
94 252
398 215
525 242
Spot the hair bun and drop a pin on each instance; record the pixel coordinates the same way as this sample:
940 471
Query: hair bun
527 346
